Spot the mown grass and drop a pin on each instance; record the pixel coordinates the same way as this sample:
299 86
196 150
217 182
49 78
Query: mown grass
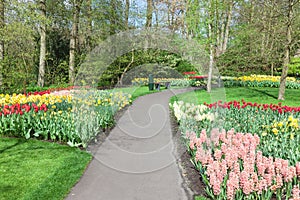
259 95
137 91
32 169
200 198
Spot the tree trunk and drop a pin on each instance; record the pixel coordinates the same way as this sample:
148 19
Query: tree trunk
264 32
89 26
211 55
2 24
120 81
227 27
41 76
149 13
127 7
156 14
73 40
287 51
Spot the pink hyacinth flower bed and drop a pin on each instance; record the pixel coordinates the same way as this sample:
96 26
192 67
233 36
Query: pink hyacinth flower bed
233 168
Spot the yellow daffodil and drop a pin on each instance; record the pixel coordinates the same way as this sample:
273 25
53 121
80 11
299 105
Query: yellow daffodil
292 136
275 131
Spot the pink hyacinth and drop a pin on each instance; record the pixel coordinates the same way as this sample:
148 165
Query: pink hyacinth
217 188
262 185
279 182
256 173
261 168
291 174
278 165
232 185
268 178
192 145
214 136
298 169
218 154
255 181
203 136
259 157
296 193
244 177
198 143
222 136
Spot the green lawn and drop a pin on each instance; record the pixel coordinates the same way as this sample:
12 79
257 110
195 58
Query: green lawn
137 91
259 95
200 198
31 169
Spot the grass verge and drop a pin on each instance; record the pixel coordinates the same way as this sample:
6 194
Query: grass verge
200 198
137 91
259 95
32 169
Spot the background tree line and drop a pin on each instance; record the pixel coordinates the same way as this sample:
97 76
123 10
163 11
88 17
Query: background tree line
43 42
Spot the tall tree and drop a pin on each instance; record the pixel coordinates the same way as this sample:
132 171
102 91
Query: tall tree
41 76
219 16
76 4
211 46
288 46
89 24
149 13
2 24
127 7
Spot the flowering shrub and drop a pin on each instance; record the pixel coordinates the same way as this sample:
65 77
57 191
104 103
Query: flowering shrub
74 119
235 165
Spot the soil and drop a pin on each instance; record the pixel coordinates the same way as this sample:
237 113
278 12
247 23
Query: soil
191 177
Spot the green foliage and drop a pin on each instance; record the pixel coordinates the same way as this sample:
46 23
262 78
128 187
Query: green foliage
294 66
160 63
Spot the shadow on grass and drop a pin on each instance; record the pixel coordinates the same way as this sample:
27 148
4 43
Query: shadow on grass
263 92
12 146
5 188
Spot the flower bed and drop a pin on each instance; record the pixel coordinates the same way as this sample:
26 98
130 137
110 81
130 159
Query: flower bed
257 159
260 81
174 81
73 119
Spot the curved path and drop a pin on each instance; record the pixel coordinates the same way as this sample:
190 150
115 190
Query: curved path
138 160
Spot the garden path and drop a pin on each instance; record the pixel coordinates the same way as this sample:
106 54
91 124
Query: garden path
138 160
